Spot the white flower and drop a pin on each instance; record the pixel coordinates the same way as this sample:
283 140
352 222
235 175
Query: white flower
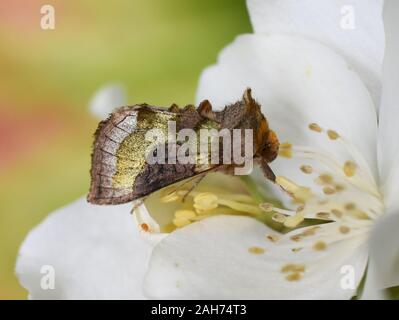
304 69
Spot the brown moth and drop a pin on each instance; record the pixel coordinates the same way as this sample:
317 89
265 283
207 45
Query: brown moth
120 172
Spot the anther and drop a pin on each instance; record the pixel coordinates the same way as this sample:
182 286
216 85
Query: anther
315 127
273 237
256 250
332 134
349 168
205 201
320 245
306 169
267 207
323 215
328 190
344 229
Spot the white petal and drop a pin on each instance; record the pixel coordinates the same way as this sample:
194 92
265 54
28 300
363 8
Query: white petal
297 82
388 153
96 253
210 260
383 270
106 99
361 42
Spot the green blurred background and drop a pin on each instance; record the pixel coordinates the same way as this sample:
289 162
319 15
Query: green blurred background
155 48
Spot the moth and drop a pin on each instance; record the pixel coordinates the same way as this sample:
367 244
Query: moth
120 171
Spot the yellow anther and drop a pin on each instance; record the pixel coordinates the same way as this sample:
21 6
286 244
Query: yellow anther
350 206
337 213
256 250
285 145
301 194
332 134
344 229
293 267
310 232
320 245
185 214
205 201
293 221
285 150
296 276
285 153
315 127
328 190
273 237
267 207
300 208
180 222
296 238
326 178
323 215
296 249
339 187
278 217
307 169
349 168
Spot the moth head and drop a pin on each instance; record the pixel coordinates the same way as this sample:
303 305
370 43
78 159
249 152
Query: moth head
269 149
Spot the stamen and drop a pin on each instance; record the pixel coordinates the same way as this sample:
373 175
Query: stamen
285 150
332 134
267 207
350 206
310 232
344 229
320 245
328 190
171 197
278 217
296 238
325 178
205 201
294 276
183 218
301 194
296 249
293 221
185 214
292 267
307 169
349 168
337 213
315 127
273 237
256 250
180 222
323 215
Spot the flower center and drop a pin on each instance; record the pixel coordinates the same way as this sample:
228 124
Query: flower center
197 205
344 192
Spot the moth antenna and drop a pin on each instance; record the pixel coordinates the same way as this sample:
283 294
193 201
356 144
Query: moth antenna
174 108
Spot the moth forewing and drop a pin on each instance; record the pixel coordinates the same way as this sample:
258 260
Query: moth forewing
121 171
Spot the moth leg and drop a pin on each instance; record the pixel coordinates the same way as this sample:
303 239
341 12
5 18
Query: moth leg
267 171
137 203
196 181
